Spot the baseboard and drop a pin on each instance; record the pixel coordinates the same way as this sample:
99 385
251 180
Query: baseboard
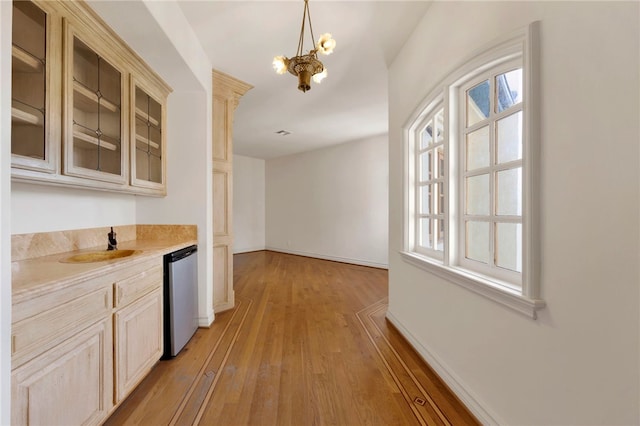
247 250
206 322
225 306
457 386
332 258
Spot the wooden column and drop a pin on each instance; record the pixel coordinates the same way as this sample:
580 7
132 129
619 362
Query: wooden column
227 92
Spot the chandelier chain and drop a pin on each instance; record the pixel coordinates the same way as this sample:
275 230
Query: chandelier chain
306 16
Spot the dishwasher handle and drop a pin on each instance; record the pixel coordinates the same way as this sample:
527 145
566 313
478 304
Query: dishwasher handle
181 254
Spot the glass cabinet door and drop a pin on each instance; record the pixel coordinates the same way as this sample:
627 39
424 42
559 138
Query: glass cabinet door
147 141
29 89
94 135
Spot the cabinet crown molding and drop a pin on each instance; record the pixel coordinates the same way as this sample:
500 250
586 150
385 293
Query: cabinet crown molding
225 83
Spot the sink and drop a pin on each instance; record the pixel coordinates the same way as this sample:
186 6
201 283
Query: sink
99 256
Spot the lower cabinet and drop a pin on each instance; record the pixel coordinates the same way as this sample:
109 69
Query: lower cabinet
68 385
79 351
138 341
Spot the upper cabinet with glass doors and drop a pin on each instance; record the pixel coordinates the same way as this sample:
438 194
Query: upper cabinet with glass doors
147 137
35 116
95 145
91 115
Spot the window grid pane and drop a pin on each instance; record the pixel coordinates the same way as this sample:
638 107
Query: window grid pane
478 149
425 200
508 246
509 90
426 166
440 161
509 138
477 103
477 241
477 195
439 127
439 226
427 136
509 192
426 233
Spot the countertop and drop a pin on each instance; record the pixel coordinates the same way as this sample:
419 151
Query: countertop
41 275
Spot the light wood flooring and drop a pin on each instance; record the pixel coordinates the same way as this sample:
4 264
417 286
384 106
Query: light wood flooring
306 344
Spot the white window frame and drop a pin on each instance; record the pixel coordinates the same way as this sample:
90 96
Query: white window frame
510 278
520 292
429 116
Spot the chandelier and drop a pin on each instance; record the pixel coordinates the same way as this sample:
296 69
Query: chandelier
306 66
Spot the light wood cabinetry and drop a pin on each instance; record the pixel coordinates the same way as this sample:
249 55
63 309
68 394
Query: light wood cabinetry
77 351
148 140
138 340
95 146
52 319
75 80
35 67
62 356
67 385
227 92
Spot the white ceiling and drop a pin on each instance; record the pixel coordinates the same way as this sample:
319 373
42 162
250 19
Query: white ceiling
242 37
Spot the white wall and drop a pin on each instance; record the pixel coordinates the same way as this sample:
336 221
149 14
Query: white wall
579 362
188 189
41 208
5 213
248 204
189 172
330 203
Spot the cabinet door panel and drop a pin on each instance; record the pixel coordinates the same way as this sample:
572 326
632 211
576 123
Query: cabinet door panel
147 138
96 143
138 341
34 77
68 385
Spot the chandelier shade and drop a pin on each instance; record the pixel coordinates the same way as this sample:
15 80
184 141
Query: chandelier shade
306 66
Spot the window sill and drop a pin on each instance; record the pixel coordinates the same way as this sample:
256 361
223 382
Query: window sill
484 287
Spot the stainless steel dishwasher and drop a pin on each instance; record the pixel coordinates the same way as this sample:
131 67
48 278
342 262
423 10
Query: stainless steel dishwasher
180 299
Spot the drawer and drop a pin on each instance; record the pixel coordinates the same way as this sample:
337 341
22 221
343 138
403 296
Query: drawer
34 335
147 277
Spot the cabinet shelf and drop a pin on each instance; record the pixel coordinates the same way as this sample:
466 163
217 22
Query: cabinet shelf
146 141
24 61
88 99
20 114
94 140
146 117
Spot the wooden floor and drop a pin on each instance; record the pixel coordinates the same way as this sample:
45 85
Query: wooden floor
307 344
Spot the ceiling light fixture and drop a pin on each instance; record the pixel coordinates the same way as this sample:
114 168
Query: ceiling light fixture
308 65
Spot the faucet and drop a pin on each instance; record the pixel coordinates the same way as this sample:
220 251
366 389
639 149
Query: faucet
112 244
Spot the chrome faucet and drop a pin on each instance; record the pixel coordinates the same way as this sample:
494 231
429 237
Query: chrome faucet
112 244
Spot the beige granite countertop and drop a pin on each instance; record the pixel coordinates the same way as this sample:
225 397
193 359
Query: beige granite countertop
40 275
